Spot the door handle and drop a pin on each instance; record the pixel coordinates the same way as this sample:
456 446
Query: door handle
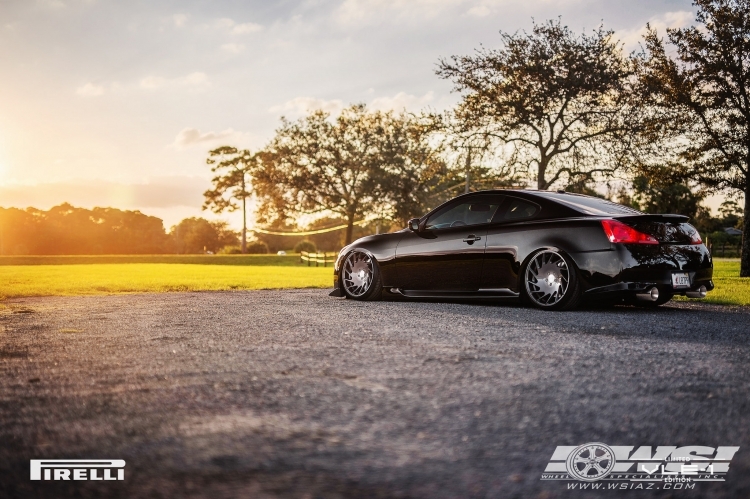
471 238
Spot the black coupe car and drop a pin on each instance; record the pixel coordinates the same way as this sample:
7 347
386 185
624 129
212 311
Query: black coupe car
550 249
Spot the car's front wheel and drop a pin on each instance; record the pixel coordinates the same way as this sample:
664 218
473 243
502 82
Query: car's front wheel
551 281
360 276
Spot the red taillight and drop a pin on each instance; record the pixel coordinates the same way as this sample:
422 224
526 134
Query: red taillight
695 237
618 232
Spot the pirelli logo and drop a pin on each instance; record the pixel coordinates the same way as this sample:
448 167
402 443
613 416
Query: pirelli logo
77 469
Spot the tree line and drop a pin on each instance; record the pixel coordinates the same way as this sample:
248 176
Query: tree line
67 230
549 108
661 128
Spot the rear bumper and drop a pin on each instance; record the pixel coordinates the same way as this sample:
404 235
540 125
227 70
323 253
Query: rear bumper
631 269
628 289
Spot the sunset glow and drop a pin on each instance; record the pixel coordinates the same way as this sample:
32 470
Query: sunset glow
109 99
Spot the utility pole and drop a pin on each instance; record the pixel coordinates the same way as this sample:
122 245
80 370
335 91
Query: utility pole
244 217
468 168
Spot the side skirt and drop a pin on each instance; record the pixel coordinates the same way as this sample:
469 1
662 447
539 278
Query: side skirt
479 294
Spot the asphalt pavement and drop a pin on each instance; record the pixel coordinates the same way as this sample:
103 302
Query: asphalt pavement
297 394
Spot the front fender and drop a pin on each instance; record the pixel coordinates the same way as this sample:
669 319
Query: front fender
382 247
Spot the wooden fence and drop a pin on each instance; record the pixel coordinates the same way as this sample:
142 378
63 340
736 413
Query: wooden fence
317 258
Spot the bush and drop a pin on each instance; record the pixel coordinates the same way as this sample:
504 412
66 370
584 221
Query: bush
305 245
253 248
257 248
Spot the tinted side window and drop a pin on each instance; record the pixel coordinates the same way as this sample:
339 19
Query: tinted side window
518 209
472 211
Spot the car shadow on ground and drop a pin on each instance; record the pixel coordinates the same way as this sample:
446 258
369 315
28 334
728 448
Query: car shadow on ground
673 321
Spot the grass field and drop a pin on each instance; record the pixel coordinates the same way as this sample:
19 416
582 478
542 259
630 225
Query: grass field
84 275
108 278
286 260
730 289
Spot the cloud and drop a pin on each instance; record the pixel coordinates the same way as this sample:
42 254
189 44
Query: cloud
189 137
233 28
51 4
303 105
195 80
484 8
245 28
223 23
233 48
90 90
179 20
402 101
677 19
151 82
362 11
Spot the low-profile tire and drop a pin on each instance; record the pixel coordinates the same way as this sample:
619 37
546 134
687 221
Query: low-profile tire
360 276
550 281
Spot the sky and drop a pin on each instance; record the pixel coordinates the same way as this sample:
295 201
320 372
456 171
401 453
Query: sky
116 103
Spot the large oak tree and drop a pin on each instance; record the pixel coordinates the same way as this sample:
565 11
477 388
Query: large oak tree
699 93
360 164
557 100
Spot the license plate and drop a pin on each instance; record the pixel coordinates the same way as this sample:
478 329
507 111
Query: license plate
681 280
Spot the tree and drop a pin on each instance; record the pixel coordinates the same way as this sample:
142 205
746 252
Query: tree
67 230
231 184
701 100
654 196
198 235
315 165
468 162
412 171
359 164
560 102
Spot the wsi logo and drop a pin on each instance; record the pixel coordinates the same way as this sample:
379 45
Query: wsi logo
78 469
596 461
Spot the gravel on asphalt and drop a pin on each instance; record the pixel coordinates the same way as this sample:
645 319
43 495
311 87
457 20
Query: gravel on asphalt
297 394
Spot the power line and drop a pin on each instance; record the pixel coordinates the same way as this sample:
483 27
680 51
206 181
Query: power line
307 232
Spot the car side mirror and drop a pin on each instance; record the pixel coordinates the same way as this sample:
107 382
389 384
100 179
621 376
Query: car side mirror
414 224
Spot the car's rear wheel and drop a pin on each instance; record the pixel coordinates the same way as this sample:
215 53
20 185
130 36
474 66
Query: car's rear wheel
360 276
551 281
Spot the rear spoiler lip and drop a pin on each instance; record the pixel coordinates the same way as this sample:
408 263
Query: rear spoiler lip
652 218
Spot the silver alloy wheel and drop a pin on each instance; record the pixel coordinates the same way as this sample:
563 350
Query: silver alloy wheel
547 278
357 273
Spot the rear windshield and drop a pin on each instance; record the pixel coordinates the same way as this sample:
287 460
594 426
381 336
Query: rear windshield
591 205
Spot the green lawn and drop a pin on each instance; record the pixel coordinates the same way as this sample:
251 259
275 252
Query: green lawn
286 260
84 275
107 278
730 289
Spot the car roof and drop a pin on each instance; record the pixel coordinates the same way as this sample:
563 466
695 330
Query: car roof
579 203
